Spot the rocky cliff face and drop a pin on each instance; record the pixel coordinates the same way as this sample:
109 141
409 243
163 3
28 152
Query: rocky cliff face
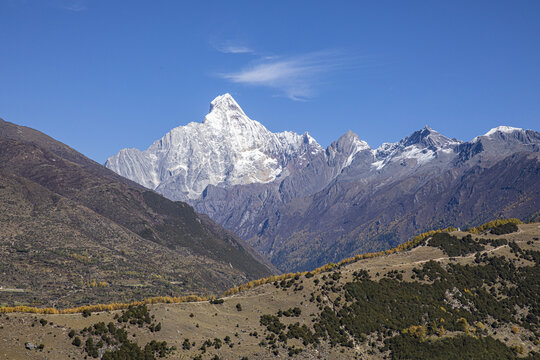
302 206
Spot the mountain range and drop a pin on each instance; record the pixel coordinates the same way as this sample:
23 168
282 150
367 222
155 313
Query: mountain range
74 232
302 206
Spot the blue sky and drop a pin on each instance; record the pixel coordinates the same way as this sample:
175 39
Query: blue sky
103 75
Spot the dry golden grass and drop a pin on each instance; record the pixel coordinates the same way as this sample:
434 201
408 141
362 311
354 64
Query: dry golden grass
211 321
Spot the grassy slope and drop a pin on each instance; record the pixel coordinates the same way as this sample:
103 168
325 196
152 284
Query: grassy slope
211 321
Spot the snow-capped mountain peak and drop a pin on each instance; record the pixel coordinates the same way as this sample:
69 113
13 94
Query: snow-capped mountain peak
421 146
225 113
497 132
502 129
224 101
225 104
352 141
343 151
227 148
502 140
427 137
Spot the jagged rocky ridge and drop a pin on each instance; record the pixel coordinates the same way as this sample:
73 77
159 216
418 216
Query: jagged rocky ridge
302 205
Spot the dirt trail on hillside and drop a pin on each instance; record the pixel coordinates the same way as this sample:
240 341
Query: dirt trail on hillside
458 257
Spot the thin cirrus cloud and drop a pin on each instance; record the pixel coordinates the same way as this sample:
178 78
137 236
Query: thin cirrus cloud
231 47
235 49
296 77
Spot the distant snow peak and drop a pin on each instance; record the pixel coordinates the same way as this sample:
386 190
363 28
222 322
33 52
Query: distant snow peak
497 130
349 143
350 139
502 129
426 137
422 146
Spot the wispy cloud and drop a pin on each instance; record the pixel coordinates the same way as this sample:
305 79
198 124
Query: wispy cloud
231 47
296 77
235 49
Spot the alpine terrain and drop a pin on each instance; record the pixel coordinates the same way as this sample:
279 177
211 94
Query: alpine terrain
302 205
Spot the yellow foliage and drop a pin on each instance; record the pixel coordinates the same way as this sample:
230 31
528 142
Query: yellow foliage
492 224
418 331
441 331
103 307
94 283
515 329
519 349
258 282
27 309
81 258
402 247
464 323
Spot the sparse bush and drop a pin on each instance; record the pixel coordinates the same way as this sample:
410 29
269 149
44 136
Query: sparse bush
76 341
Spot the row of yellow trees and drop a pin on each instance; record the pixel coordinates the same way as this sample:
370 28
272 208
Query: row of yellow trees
492 224
402 247
103 307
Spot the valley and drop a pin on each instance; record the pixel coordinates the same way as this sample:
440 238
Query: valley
302 206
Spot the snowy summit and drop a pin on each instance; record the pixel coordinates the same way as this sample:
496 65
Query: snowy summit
227 148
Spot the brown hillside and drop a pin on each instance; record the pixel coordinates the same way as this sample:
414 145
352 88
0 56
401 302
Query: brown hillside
67 221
